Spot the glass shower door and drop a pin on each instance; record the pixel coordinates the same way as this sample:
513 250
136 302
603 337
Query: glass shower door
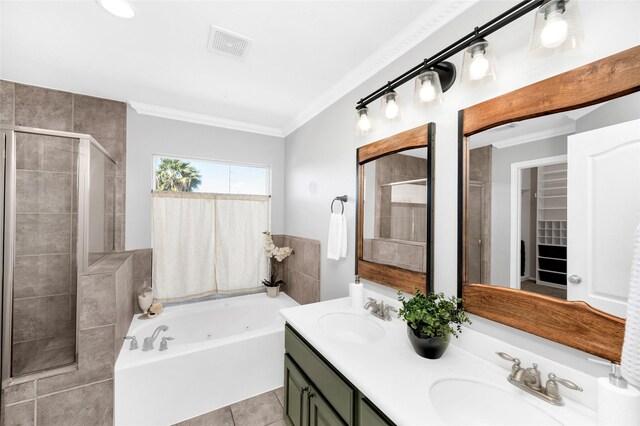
41 217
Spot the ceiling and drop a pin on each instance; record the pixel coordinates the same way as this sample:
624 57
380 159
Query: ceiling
305 54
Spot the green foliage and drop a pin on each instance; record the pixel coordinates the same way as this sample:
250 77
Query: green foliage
178 176
272 282
434 314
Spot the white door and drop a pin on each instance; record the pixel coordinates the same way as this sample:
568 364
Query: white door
603 212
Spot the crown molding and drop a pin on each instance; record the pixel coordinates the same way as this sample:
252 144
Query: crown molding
417 31
206 119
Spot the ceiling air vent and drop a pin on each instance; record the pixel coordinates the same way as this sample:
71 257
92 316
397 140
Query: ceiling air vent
228 43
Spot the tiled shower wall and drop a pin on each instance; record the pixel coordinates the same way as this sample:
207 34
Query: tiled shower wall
301 270
104 119
45 273
400 221
44 290
83 396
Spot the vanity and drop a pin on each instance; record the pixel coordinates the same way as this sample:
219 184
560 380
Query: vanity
333 376
519 264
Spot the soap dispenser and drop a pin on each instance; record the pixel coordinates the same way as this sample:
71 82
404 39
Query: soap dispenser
618 403
356 293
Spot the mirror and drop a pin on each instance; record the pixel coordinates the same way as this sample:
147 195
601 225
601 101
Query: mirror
554 202
395 210
549 202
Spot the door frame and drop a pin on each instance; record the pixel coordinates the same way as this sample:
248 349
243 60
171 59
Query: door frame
516 214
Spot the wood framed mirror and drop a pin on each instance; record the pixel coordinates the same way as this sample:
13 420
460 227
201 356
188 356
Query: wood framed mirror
394 224
547 300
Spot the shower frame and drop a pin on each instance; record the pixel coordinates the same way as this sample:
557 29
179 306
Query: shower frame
8 237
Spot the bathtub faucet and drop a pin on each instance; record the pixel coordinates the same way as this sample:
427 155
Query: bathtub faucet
148 341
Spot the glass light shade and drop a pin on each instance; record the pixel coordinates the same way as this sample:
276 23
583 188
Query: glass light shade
557 28
389 107
427 90
479 64
364 123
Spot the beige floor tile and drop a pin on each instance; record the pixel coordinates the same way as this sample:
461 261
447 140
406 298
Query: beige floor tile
280 395
221 417
260 410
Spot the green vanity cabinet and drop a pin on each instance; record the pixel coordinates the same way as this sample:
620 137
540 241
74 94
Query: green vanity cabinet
316 394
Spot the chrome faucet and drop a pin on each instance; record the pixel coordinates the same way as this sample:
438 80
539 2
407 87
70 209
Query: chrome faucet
134 343
148 341
529 380
379 309
164 344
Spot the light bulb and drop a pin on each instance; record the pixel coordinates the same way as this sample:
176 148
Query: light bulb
364 123
391 110
427 91
555 30
119 8
479 66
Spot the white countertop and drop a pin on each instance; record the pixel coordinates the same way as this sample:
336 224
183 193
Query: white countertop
397 380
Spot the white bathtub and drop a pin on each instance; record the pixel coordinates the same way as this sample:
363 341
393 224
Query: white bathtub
224 351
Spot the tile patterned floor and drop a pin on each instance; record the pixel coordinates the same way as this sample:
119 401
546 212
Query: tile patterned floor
262 410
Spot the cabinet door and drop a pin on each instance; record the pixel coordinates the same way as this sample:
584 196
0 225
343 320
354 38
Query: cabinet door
369 416
296 394
320 412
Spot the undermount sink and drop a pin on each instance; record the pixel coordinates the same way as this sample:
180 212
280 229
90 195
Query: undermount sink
352 328
465 402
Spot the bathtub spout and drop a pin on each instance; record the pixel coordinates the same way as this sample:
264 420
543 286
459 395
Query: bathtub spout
148 341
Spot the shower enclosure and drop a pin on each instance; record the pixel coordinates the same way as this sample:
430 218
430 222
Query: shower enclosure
59 211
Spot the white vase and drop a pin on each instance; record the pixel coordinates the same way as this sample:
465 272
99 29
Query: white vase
273 291
145 300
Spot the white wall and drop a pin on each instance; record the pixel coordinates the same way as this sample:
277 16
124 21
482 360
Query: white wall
320 156
148 135
501 160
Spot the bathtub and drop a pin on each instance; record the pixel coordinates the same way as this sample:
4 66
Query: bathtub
223 351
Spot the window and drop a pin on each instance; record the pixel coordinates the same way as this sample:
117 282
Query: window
208 220
195 175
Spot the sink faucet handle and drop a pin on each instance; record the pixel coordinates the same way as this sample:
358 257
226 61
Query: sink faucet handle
387 312
564 382
507 357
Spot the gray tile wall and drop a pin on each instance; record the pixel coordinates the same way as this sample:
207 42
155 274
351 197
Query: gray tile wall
45 284
104 119
83 396
301 270
404 254
399 221
142 271
45 269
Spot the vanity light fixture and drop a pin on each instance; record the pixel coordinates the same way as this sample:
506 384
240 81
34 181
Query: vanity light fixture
119 8
389 107
478 63
363 122
432 82
557 28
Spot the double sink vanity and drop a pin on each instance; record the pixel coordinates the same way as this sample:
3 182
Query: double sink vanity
345 366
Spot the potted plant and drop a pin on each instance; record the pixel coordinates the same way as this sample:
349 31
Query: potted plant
276 255
431 319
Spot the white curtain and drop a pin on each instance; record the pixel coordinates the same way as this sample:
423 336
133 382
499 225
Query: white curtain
207 243
240 258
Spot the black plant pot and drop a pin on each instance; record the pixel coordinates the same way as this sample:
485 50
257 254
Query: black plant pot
426 347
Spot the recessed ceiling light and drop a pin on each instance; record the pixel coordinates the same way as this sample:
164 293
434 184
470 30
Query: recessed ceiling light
119 8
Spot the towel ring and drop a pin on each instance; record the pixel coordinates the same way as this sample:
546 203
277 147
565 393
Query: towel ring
343 199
